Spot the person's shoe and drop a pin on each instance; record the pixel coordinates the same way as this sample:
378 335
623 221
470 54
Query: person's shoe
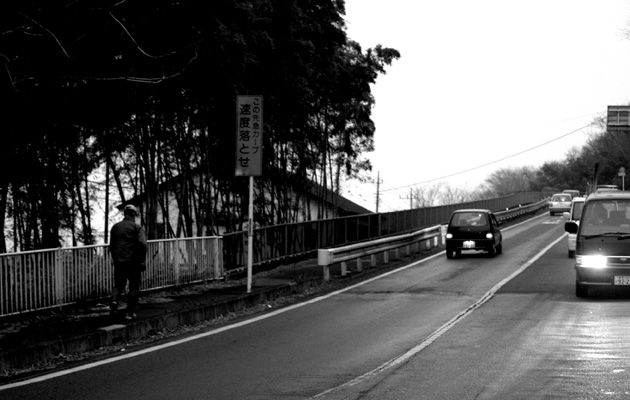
113 307
130 316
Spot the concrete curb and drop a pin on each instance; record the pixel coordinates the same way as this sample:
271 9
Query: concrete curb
39 353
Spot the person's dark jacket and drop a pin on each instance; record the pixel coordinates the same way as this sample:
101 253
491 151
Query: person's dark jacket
127 242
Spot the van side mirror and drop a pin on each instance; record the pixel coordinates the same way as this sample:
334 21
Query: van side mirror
570 227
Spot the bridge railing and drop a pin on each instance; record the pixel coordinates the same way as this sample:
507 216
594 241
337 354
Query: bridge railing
279 242
432 236
35 280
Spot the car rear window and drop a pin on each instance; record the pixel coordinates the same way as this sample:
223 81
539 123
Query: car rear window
469 219
561 197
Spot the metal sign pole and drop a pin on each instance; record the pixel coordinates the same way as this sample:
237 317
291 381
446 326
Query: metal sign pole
249 141
250 235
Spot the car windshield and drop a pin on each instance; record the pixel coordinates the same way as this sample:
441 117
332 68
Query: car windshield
469 219
606 216
561 197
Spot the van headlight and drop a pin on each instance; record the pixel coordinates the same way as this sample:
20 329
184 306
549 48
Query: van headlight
488 235
590 261
449 236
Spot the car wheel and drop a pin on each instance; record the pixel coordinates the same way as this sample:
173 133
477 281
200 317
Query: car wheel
552 213
580 289
500 248
571 253
449 254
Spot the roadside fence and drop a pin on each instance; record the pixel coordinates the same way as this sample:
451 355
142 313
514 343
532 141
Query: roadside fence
35 280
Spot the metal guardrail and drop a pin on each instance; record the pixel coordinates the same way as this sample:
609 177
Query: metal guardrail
343 254
326 257
282 242
43 279
507 215
36 280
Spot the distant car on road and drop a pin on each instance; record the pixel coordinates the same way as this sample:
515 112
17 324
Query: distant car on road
573 193
574 215
473 229
559 203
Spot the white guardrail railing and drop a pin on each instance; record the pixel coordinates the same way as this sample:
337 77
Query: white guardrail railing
326 257
36 280
430 237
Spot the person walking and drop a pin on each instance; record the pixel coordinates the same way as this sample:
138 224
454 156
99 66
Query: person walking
128 246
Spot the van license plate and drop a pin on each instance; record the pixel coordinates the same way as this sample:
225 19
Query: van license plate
470 244
622 280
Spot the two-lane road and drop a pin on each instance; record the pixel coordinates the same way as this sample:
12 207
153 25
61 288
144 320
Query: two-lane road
429 330
534 340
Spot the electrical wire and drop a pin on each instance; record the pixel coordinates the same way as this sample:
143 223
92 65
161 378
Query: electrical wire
493 162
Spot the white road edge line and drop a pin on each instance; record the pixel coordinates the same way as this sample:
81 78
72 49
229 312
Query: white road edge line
247 322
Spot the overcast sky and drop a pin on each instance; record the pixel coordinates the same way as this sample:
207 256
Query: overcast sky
482 81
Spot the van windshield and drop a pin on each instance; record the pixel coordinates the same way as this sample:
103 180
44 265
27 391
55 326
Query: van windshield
606 216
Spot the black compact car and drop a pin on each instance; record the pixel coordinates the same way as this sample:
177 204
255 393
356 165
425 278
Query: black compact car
473 230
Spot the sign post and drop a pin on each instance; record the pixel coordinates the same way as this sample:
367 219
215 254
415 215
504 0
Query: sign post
622 174
249 140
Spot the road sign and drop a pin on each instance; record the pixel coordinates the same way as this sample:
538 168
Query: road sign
249 135
618 118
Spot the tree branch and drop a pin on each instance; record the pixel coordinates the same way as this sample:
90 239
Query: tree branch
141 49
48 31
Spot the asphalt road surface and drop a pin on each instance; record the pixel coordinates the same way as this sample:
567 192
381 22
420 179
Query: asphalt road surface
508 327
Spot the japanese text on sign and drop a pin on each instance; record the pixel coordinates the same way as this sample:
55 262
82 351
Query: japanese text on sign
249 139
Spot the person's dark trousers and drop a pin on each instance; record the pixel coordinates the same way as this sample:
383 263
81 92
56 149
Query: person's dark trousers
127 272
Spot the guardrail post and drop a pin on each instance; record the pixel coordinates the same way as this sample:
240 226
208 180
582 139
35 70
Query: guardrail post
386 257
359 265
373 260
344 268
60 286
326 273
217 245
176 262
324 259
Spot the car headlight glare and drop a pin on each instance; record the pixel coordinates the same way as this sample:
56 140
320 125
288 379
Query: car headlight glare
449 236
591 261
488 235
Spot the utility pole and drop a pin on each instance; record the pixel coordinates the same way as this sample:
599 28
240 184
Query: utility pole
410 198
378 194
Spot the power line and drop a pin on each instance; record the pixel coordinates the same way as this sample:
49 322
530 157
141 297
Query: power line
492 162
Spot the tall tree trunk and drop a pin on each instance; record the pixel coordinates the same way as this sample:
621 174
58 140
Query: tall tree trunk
4 195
